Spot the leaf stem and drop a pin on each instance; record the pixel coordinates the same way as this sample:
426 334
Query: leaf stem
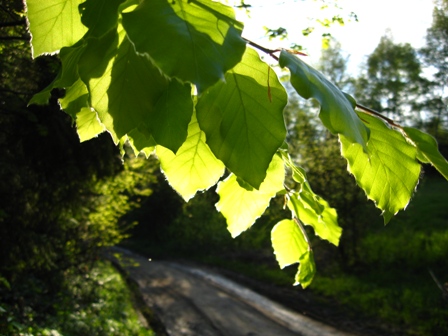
299 224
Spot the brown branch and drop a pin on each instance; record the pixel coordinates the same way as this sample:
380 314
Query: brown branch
270 52
377 114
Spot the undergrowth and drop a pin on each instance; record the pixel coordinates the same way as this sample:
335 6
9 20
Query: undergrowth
96 303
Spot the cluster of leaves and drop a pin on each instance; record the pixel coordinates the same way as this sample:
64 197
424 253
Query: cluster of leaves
201 99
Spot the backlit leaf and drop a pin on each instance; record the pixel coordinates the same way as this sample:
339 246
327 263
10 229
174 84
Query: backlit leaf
290 247
337 108
243 118
141 142
389 171
76 98
324 221
427 147
307 269
54 24
193 167
299 175
205 39
88 125
288 242
240 206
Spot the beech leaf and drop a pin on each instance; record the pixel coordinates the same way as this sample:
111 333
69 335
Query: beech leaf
193 167
54 24
206 38
243 118
389 171
428 149
337 108
240 206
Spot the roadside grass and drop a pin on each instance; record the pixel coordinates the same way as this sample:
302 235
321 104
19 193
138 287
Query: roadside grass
393 282
98 303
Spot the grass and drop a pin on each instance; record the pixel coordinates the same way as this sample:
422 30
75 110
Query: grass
99 303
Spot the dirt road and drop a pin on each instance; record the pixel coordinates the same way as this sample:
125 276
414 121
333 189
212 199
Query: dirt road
193 301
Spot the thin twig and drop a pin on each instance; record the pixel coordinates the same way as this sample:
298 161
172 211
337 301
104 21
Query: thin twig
270 52
441 287
377 114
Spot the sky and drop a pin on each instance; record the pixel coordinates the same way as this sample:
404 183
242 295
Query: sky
407 20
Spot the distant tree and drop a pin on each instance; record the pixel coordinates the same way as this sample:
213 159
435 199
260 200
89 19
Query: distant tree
333 64
435 57
392 81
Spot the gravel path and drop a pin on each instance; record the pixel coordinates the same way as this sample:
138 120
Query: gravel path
194 301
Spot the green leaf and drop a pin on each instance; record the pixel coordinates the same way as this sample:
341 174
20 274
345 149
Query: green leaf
337 108
240 206
67 75
389 171
43 97
141 142
290 247
299 175
171 115
323 219
288 242
307 269
100 15
195 41
54 24
128 91
88 125
243 118
428 149
193 167
76 97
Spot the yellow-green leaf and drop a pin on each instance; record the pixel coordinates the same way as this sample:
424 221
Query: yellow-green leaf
307 269
324 220
88 125
389 171
54 24
240 206
288 242
193 167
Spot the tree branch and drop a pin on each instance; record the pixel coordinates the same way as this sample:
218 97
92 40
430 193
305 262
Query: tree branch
12 23
15 38
270 52
378 115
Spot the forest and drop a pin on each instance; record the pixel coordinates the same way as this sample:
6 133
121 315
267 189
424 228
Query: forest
63 201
